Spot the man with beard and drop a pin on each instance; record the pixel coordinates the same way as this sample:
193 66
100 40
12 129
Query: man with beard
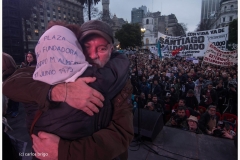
178 120
158 104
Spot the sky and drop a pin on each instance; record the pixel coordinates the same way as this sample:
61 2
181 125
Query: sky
186 11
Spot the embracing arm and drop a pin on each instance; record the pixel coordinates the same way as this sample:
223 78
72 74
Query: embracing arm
106 143
21 87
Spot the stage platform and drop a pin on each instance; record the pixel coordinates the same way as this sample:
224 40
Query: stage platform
170 143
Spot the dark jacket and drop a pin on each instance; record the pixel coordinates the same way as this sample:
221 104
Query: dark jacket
191 102
203 122
213 94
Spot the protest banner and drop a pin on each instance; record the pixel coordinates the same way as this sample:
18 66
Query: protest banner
216 56
194 44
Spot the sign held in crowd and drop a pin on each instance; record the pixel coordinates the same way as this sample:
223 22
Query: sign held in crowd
216 56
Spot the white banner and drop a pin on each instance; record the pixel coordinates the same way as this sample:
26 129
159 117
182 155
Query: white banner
154 50
216 56
194 43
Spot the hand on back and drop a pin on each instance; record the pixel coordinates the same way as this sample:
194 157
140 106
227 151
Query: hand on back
79 95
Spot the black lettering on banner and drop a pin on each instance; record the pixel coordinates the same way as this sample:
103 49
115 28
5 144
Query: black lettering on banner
195 46
172 42
222 43
213 32
220 30
193 39
201 39
201 46
187 40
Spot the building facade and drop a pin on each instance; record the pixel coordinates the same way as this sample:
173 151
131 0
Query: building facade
12 32
137 15
70 11
149 38
209 8
114 22
154 23
227 12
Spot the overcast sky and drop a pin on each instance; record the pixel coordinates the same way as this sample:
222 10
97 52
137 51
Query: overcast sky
186 11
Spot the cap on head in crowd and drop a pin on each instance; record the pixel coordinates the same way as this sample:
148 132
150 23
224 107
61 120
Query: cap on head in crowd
193 118
96 27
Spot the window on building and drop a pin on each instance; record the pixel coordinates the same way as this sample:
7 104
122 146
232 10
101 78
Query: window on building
59 14
147 41
42 20
147 21
232 7
36 26
54 16
48 14
223 19
225 8
48 18
230 18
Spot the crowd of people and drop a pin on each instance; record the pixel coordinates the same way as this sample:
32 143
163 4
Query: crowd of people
191 96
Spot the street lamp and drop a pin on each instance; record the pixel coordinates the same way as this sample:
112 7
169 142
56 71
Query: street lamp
142 31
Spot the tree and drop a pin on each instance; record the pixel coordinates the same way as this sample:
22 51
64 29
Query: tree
184 26
233 35
129 36
204 25
233 31
89 3
107 17
179 29
27 8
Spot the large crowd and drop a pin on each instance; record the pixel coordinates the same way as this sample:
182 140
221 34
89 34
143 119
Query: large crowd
191 95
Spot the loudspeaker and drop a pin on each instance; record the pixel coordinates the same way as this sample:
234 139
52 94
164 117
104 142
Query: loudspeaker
150 123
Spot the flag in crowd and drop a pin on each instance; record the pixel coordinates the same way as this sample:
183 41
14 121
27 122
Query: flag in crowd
176 51
159 49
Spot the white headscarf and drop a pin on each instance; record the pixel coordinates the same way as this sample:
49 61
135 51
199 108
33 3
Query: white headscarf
59 57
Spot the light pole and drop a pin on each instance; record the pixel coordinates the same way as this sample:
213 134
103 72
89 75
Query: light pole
142 35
